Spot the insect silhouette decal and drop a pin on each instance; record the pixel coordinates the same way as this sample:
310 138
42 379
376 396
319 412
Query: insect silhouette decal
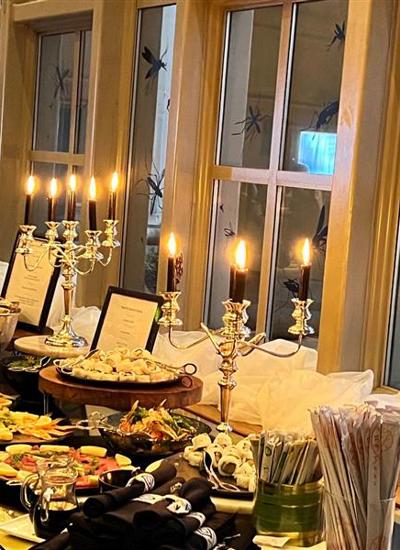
339 35
251 125
155 184
156 63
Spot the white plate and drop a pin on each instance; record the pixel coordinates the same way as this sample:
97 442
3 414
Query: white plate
21 528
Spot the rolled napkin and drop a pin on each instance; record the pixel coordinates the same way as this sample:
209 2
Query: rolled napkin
98 505
214 531
192 495
59 542
176 529
121 520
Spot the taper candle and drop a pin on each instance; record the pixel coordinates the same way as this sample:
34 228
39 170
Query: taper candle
112 203
71 198
51 214
240 273
232 278
30 187
92 205
171 275
305 269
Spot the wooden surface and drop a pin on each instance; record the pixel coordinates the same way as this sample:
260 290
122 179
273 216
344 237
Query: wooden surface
176 395
211 413
35 345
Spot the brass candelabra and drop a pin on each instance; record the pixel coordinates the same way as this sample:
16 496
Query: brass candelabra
233 340
64 252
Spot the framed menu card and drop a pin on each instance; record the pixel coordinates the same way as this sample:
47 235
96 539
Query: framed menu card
128 319
34 290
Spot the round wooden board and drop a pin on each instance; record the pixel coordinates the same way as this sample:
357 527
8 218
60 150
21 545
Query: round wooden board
36 345
175 395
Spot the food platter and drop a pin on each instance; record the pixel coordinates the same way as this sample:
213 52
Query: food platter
89 461
121 368
142 444
24 427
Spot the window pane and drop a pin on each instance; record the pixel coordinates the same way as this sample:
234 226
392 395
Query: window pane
86 46
303 214
315 86
54 92
147 163
252 62
393 373
239 212
43 172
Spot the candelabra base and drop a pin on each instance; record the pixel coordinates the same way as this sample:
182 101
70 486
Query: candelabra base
66 337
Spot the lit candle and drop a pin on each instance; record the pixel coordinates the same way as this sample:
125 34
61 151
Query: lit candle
112 204
92 204
30 186
240 273
305 271
71 198
171 278
51 214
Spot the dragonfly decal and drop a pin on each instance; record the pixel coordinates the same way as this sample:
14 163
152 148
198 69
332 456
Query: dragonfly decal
339 34
321 233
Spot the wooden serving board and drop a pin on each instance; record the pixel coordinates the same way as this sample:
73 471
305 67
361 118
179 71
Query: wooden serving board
176 395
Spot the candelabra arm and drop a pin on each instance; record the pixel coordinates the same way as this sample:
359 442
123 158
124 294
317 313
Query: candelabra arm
33 266
254 346
210 335
105 263
185 346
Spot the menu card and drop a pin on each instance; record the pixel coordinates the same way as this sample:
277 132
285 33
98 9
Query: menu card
33 290
128 319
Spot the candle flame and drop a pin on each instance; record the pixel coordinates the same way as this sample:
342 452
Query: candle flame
53 187
72 183
172 245
240 255
92 189
306 252
30 185
114 182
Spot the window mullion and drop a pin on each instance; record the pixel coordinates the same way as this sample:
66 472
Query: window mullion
74 92
280 106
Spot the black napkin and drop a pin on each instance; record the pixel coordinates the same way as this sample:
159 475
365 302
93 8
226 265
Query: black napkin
176 529
244 541
59 542
100 504
216 528
121 521
196 491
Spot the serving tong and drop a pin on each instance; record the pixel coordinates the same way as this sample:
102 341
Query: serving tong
213 478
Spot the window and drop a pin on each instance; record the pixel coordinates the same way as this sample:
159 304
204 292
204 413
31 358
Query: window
60 115
278 116
150 113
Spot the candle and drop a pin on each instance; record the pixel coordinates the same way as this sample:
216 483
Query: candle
240 273
171 278
112 203
51 214
30 186
305 271
92 204
232 277
71 198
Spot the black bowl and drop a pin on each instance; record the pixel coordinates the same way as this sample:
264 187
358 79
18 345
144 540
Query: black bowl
25 383
135 446
113 479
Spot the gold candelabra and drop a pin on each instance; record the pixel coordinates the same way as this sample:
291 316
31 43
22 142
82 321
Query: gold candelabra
66 254
232 340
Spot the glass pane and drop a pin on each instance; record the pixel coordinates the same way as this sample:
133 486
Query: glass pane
54 92
43 172
393 374
252 63
147 163
86 46
239 213
303 214
315 86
